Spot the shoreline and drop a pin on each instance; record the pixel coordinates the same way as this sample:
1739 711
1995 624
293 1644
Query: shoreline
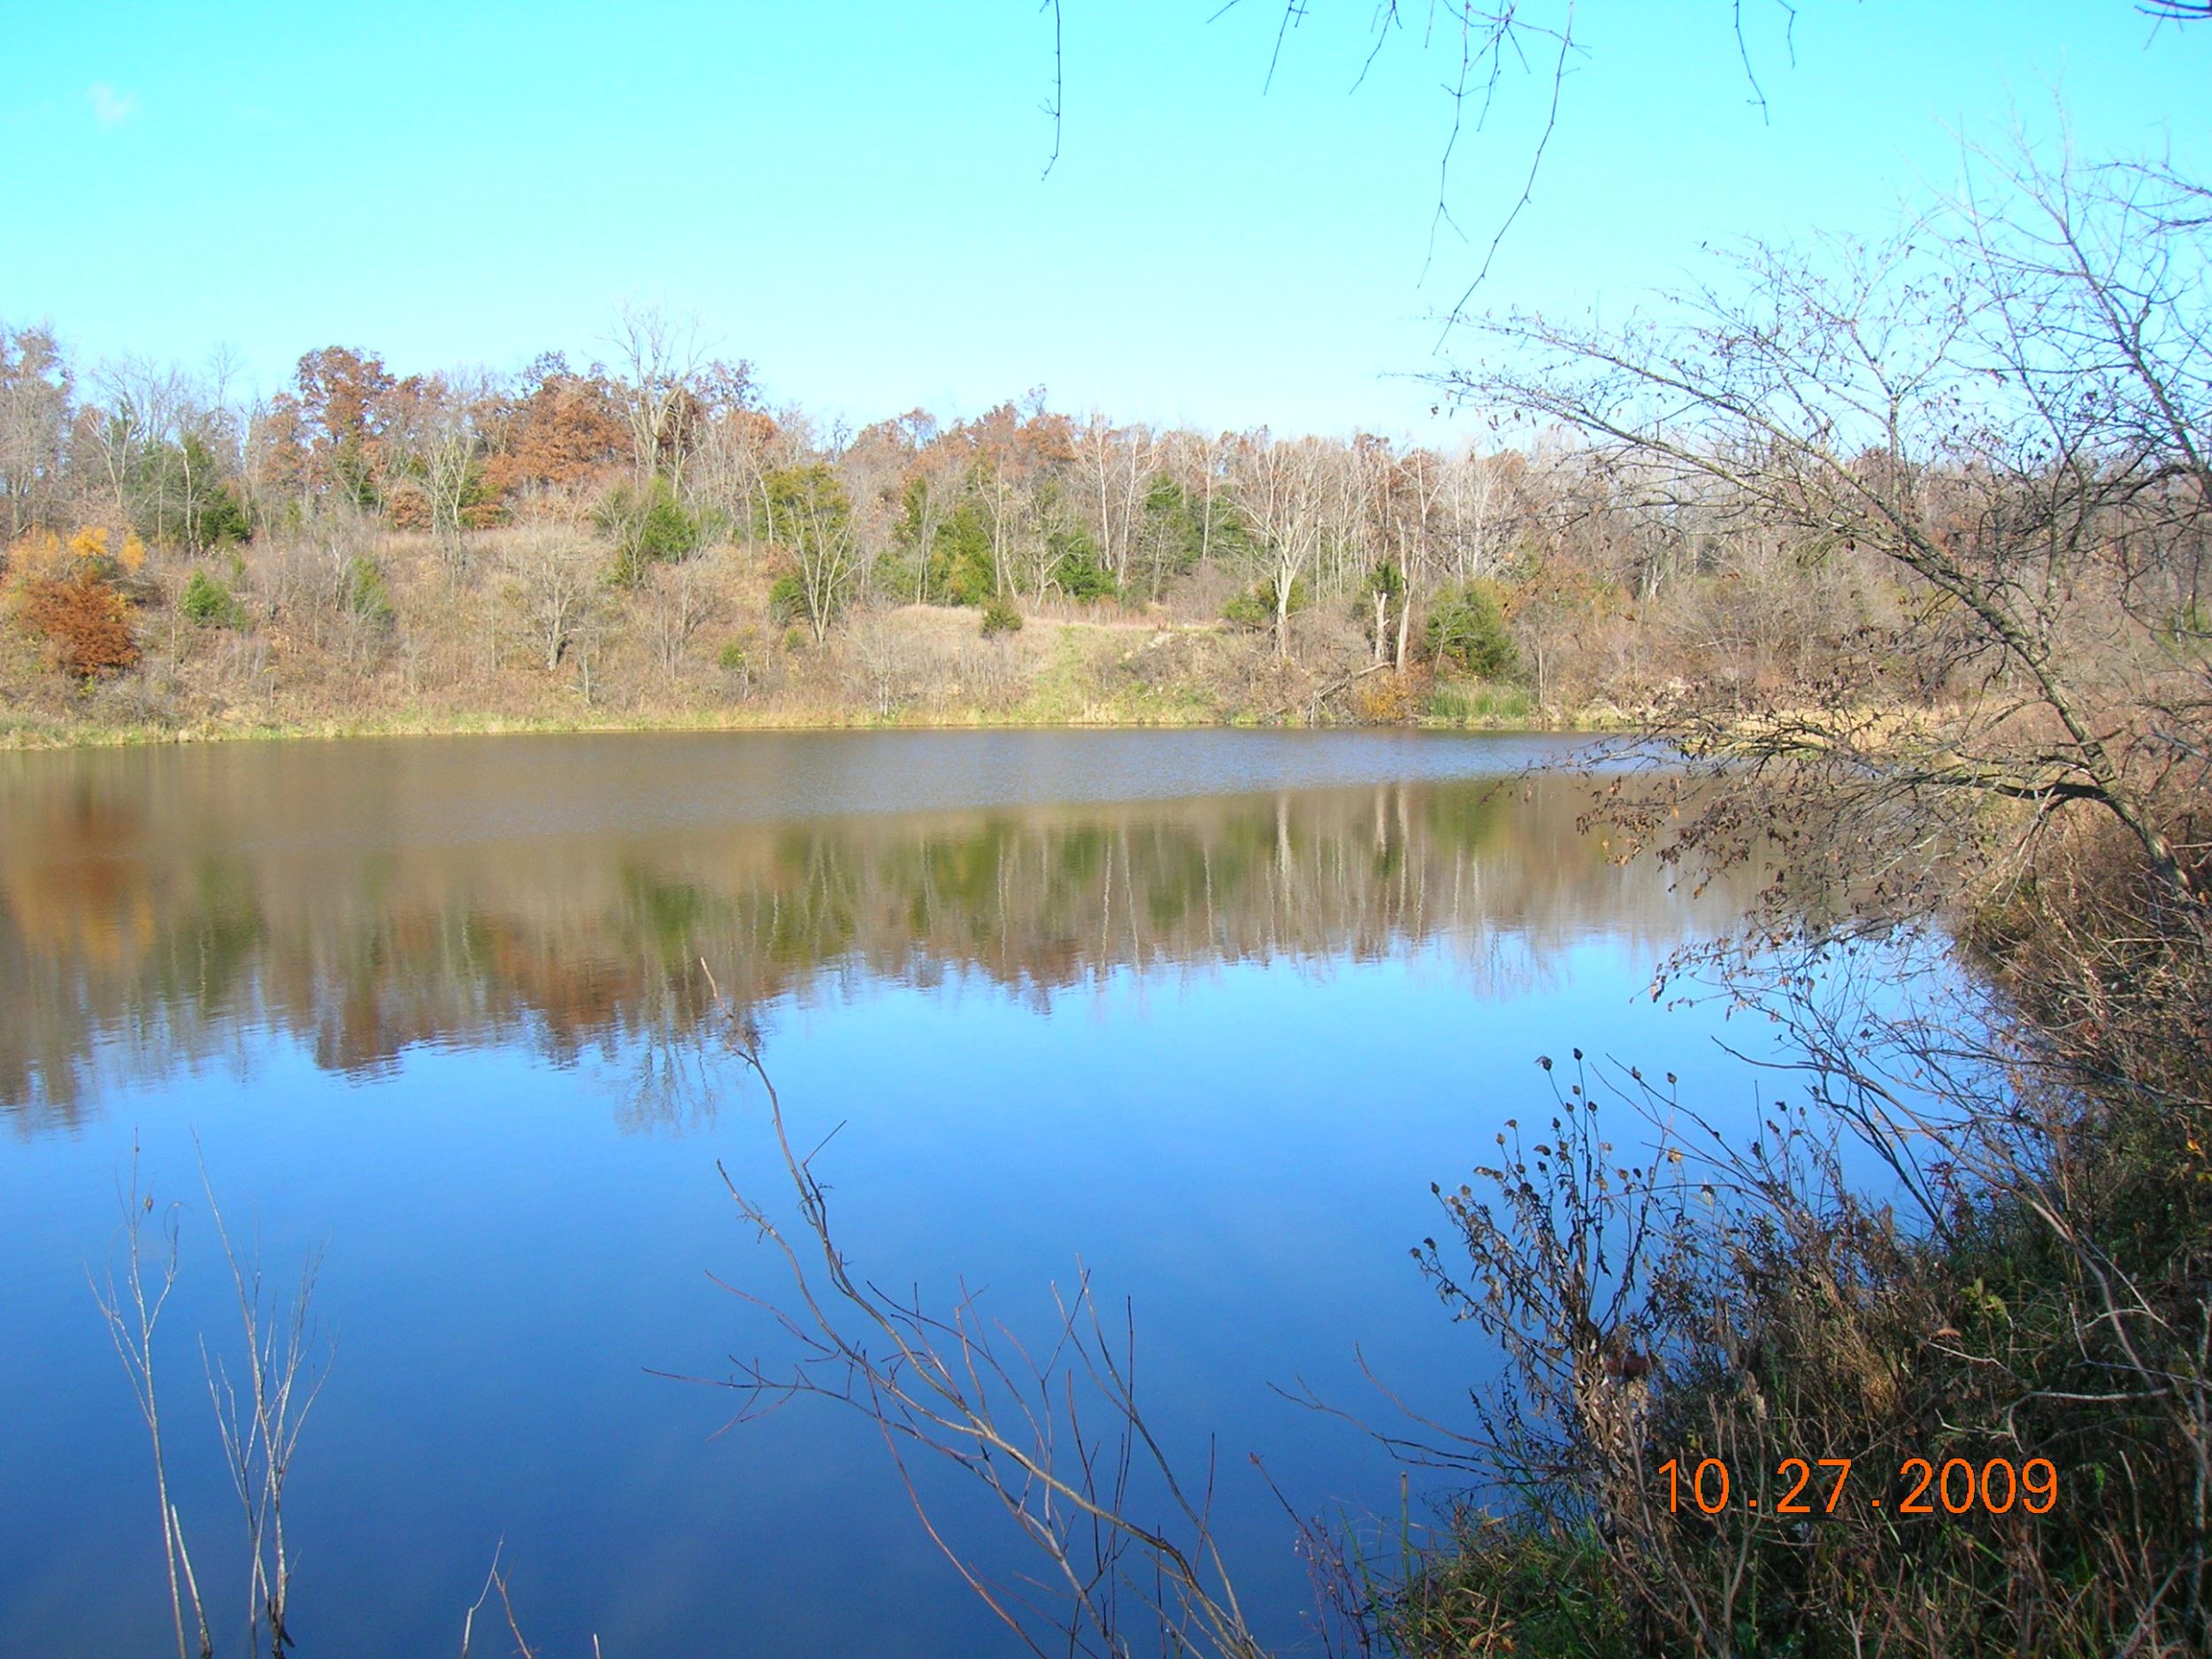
26 740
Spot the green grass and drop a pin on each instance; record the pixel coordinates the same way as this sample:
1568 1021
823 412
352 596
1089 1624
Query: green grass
1478 702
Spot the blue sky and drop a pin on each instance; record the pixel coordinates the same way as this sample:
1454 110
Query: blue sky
849 194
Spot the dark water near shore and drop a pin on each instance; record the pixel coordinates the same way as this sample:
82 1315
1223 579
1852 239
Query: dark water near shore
1207 1010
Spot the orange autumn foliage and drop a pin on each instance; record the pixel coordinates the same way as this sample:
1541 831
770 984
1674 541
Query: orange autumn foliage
566 433
64 595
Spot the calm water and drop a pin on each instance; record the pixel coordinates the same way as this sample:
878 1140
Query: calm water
1207 1010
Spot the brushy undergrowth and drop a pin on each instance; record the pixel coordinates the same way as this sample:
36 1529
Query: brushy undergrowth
1980 1239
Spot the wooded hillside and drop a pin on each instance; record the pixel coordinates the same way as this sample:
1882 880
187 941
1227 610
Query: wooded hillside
645 540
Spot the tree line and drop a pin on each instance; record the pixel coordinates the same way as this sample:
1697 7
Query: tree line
646 529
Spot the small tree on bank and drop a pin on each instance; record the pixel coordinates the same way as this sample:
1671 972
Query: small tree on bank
811 519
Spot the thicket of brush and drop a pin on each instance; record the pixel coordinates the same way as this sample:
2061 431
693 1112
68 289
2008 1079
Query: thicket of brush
2018 1298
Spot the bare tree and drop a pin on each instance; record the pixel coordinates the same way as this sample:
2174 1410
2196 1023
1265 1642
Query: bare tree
812 520
166 440
1912 402
133 408
681 599
934 481
440 441
738 450
663 358
35 385
554 580
1282 486
884 660
1116 465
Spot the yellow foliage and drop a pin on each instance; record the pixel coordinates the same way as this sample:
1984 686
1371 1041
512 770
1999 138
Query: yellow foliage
37 555
1390 700
43 555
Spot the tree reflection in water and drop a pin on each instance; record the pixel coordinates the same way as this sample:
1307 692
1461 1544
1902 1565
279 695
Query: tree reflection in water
143 928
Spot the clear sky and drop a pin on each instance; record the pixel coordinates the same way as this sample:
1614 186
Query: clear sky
849 193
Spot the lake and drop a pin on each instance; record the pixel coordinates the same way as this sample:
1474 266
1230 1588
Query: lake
1204 1013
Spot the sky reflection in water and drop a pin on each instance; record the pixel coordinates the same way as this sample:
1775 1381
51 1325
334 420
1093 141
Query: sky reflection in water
1207 1010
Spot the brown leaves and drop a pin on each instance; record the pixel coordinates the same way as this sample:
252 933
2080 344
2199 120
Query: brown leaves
83 618
567 434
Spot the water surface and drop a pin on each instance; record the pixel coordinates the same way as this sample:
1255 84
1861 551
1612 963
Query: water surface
1207 1012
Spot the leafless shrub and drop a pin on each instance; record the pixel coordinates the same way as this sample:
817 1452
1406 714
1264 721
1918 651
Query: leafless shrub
681 599
259 1428
261 1433
882 663
132 1311
554 587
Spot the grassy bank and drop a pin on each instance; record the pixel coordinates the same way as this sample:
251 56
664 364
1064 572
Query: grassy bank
28 736
939 674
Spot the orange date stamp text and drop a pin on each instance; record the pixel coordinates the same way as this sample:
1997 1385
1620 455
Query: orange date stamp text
1816 1487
